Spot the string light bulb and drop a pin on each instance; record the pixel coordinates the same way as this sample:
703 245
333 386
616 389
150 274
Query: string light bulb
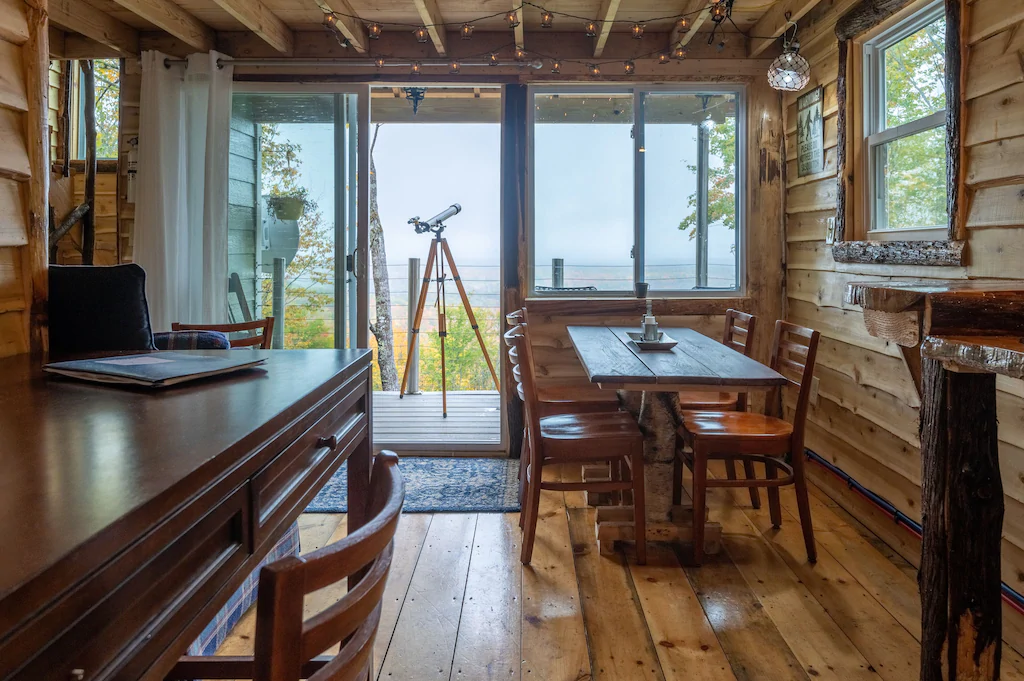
720 12
379 62
679 52
591 29
595 69
556 66
416 68
520 53
454 66
664 57
637 30
546 19
466 31
492 59
629 67
512 18
373 30
683 25
421 34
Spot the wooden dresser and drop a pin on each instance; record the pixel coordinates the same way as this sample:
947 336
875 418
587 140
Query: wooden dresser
129 516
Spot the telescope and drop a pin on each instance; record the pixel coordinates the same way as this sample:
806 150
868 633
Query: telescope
435 223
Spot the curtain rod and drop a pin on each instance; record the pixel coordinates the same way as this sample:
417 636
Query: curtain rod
368 63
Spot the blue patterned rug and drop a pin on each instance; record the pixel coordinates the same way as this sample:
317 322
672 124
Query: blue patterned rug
438 485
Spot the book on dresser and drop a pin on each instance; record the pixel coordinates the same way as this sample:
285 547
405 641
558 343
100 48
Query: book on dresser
156 369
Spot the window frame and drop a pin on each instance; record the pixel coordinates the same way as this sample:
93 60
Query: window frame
638 92
875 135
77 119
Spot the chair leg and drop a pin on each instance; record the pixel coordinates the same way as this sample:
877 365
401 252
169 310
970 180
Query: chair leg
677 479
615 475
700 479
804 505
524 462
771 472
639 504
755 496
531 508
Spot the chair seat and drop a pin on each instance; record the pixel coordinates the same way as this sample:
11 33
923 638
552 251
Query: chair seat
702 401
615 426
735 425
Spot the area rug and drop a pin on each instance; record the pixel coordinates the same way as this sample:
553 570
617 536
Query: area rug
439 485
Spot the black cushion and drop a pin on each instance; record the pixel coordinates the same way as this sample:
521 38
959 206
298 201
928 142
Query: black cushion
98 308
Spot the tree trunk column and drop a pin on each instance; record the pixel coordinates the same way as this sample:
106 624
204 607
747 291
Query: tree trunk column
962 515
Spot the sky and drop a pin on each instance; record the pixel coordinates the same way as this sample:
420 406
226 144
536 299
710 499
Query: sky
583 195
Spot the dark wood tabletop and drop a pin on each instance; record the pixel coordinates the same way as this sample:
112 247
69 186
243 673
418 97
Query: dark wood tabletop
613 361
85 467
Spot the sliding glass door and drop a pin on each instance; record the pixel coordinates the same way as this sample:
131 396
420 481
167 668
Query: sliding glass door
298 212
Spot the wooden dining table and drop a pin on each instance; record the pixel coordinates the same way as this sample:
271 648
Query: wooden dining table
648 385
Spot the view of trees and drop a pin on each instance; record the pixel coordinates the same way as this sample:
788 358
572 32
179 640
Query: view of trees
721 179
108 101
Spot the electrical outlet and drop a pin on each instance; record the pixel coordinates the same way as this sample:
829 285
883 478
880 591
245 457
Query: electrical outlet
815 383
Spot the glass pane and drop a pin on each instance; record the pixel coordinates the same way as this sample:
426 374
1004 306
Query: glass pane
913 181
281 213
690 191
107 76
915 71
583 191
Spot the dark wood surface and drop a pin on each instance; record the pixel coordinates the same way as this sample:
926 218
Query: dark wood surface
609 357
97 483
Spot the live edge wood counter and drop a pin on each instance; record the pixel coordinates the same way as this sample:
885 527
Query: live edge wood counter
128 517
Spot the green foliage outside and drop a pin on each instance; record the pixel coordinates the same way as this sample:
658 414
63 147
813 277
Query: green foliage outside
464 362
721 180
310 276
108 102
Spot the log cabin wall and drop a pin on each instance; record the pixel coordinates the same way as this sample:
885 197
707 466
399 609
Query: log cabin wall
865 420
24 156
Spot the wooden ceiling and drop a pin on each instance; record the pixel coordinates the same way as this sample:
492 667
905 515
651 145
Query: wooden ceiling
125 26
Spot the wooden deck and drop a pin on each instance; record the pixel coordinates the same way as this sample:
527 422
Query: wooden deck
459 606
415 421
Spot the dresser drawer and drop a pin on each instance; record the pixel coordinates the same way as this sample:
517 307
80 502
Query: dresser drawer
294 476
172 571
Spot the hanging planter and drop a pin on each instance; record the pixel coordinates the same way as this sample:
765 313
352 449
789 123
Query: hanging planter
288 206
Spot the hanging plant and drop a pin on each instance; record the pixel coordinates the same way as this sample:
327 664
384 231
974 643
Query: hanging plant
290 206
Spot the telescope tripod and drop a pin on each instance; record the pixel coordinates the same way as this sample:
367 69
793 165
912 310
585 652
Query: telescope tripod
436 260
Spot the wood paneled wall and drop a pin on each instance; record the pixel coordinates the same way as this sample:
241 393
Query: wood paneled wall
24 156
556 360
866 417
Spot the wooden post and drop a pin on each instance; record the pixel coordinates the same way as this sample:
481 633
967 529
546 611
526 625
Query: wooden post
65 118
36 58
962 514
89 106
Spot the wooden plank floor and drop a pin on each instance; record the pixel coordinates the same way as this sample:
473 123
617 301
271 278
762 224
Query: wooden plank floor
460 606
474 418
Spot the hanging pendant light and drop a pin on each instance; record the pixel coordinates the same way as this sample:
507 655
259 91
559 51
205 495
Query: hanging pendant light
590 28
466 31
416 68
454 66
379 62
594 69
520 54
512 18
421 34
492 59
629 67
790 72
664 57
556 66
373 30
679 52
683 25
546 19
637 31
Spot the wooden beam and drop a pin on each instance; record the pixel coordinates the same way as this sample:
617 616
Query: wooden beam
774 22
79 17
520 30
168 16
261 21
351 28
432 19
696 21
609 8
35 259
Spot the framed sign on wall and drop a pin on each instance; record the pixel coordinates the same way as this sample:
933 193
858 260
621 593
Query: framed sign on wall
810 128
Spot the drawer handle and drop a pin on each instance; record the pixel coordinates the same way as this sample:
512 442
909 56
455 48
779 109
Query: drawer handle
330 442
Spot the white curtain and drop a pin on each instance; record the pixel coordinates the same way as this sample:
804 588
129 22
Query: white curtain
181 209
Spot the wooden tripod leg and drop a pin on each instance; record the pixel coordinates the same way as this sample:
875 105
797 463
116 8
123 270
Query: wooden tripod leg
469 309
442 333
414 331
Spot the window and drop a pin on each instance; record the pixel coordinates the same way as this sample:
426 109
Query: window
108 103
636 184
905 128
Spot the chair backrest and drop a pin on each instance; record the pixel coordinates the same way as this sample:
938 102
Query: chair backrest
520 355
286 646
266 325
739 331
516 317
794 349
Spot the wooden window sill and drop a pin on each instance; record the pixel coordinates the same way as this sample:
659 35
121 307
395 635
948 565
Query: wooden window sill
943 253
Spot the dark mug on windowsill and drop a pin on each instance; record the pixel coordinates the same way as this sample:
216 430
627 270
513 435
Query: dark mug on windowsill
641 288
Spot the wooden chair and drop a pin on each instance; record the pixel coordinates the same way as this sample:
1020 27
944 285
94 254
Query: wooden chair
738 336
757 437
613 437
288 648
261 339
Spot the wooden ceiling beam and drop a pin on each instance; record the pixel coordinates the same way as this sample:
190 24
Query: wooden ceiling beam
609 8
352 28
520 30
698 12
255 16
432 19
169 17
76 16
774 22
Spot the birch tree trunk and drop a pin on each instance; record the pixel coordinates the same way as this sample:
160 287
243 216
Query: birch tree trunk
383 329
